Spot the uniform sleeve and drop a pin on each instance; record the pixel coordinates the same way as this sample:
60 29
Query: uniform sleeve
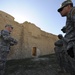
6 36
14 42
73 16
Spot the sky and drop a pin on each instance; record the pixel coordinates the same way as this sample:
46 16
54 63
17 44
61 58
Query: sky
43 13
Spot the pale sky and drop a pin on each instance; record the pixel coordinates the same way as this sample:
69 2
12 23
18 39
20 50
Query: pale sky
43 13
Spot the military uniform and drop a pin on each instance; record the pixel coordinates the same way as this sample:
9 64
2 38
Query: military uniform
69 30
59 52
5 42
70 36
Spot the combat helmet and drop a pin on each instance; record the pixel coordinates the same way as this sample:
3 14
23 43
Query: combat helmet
8 25
60 36
65 3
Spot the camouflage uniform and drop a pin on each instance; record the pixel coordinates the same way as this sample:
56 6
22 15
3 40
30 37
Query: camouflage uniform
59 52
5 42
69 37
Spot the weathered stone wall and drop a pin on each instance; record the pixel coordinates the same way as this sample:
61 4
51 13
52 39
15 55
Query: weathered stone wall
28 36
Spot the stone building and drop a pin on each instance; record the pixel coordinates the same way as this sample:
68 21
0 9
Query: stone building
32 41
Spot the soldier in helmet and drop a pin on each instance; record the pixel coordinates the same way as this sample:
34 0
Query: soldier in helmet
67 10
59 52
5 42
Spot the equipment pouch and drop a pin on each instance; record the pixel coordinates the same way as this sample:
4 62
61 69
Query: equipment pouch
70 50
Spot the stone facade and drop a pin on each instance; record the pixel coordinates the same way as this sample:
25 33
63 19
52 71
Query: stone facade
32 41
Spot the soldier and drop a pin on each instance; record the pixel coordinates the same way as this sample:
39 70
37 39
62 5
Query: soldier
5 42
60 53
67 10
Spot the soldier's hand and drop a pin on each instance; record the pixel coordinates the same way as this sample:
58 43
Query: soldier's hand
15 41
63 29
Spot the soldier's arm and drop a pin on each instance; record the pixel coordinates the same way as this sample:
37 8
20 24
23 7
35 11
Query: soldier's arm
73 17
63 29
13 42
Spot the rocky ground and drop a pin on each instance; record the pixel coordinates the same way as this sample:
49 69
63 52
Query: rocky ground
44 65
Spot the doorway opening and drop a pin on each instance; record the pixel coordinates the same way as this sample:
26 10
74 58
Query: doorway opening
34 51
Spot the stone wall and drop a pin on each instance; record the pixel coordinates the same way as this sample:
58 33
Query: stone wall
29 36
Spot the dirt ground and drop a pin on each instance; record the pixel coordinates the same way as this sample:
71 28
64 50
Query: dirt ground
44 65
